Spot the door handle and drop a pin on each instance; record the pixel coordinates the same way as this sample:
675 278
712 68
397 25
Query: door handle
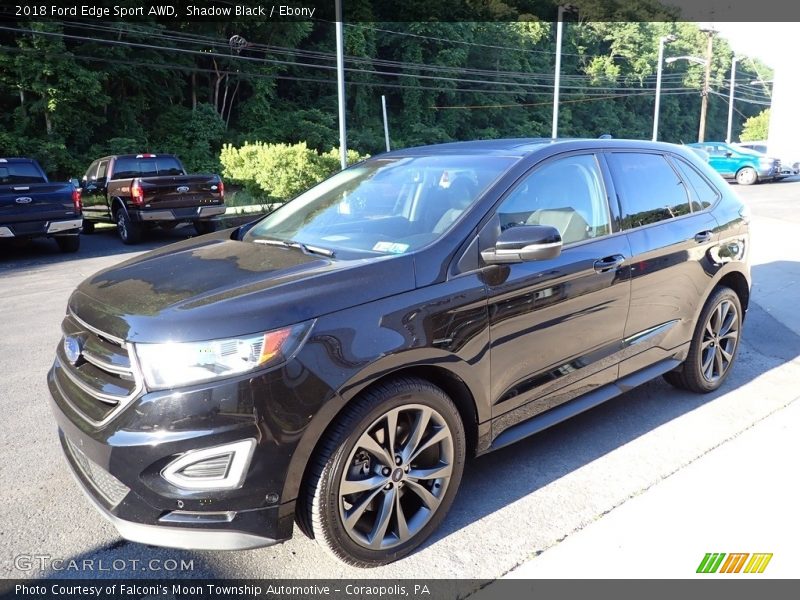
703 237
608 263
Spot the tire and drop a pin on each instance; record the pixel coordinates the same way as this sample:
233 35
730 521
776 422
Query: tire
88 227
358 449
204 227
129 232
68 243
746 176
714 345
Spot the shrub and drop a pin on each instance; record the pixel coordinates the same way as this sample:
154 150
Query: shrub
279 172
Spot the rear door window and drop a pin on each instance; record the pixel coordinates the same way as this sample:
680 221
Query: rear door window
649 188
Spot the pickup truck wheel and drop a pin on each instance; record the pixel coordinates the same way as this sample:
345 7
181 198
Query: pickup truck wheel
88 227
129 232
746 176
385 474
204 227
68 243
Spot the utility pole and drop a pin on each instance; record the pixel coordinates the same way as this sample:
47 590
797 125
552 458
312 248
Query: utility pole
706 85
559 31
730 99
340 84
385 124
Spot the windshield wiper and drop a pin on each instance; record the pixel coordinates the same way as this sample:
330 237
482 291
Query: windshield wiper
309 249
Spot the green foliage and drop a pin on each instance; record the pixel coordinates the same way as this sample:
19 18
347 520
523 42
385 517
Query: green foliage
278 172
70 100
756 128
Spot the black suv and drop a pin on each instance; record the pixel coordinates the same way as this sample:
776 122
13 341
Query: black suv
335 362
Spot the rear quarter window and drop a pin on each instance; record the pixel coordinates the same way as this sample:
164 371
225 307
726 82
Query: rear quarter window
703 194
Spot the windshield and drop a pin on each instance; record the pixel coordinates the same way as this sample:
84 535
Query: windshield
383 206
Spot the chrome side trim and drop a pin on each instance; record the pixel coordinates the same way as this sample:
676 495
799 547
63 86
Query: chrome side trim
106 366
103 334
5 232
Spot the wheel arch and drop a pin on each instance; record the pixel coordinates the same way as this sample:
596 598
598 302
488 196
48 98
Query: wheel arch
452 385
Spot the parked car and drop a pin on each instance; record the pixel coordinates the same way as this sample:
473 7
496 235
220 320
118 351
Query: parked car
140 190
744 166
789 165
336 361
31 206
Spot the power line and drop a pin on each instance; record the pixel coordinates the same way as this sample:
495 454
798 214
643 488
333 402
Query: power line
522 104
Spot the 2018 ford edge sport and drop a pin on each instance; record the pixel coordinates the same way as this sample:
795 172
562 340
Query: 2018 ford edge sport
335 362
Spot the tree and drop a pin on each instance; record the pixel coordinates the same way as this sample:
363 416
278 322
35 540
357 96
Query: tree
756 128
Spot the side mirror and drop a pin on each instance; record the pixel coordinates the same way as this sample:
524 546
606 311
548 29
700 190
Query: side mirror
728 154
524 243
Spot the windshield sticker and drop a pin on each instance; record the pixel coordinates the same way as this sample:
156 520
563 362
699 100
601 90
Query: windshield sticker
391 247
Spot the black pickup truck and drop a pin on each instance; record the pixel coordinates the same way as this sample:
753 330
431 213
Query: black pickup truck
137 191
31 206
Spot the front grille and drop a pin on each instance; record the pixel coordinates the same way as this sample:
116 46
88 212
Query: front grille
103 379
109 487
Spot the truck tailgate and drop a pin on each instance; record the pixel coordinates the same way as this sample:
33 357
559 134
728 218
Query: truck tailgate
35 203
180 191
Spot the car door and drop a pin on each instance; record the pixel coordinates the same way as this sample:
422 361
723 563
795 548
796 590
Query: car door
556 325
722 160
93 193
669 238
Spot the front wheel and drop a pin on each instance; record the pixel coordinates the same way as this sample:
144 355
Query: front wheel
746 176
714 346
386 473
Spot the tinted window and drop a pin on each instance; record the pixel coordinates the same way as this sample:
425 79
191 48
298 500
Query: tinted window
91 172
650 189
127 168
702 193
24 172
567 194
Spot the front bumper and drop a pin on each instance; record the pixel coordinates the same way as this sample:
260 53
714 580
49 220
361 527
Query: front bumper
118 467
162 535
179 214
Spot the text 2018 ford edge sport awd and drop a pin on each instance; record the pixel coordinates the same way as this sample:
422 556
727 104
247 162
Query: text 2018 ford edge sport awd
335 362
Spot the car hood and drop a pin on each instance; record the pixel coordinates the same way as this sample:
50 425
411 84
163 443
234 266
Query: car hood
215 287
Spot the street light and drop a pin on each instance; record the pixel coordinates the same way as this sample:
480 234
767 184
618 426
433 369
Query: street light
559 30
706 87
663 40
730 99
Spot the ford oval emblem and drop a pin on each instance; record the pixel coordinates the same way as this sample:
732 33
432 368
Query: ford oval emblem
23 200
72 349
183 189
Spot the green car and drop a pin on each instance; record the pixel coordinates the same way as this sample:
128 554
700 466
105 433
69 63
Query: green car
745 166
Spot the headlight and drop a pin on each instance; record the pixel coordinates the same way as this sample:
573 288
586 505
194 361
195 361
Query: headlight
177 364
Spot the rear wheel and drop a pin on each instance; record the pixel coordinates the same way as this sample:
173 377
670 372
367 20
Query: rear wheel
68 243
129 232
746 176
203 227
386 473
714 346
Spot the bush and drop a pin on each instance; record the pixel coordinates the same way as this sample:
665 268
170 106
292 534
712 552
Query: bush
279 172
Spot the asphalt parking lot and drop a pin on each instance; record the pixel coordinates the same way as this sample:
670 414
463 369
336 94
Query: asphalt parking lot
515 504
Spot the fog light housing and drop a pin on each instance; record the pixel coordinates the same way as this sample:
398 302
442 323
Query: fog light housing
217 468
